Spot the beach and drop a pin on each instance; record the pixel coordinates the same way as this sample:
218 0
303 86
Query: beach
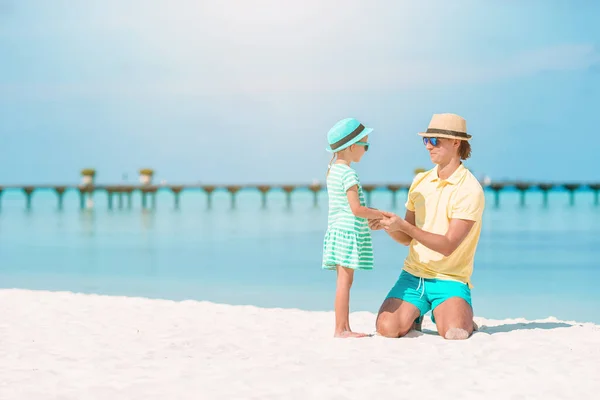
166 202
63 345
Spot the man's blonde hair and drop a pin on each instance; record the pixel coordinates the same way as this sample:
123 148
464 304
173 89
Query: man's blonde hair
464 150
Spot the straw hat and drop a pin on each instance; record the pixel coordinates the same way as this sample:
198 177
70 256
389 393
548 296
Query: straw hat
345 133
450 126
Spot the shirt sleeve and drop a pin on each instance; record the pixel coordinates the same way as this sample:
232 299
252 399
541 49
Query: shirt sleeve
410 204
468 205
349 179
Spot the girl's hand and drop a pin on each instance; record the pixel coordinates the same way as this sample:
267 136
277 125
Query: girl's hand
375 224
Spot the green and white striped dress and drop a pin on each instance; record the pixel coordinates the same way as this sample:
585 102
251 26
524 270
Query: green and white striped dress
348 238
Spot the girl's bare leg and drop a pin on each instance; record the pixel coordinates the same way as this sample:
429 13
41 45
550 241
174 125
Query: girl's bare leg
345 276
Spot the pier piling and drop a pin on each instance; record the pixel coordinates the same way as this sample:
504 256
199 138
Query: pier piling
288 189
109 196
233 189
176 193
28 194
394 189
571 188
60 192
209 191
264 190
315 188
545 188
522 188
368 189
496 188
594 186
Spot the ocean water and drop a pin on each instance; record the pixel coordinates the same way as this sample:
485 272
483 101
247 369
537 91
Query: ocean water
532 261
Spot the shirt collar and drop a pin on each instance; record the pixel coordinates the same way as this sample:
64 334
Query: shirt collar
452 179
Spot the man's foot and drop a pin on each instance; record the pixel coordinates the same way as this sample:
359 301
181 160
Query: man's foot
349 334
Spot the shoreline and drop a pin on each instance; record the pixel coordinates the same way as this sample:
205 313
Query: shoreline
477 318
515 319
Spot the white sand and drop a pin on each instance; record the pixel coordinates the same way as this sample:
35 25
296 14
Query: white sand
73 346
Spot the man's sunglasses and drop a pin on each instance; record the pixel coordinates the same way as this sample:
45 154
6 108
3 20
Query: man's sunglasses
433 140
363 144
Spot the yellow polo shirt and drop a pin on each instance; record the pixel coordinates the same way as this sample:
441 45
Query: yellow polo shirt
435 202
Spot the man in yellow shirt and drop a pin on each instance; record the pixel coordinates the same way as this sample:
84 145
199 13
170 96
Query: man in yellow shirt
442 227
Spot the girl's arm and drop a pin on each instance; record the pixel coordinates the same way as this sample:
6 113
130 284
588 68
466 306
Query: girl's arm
357 209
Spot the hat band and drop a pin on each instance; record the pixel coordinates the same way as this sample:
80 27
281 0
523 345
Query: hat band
447 132
348 138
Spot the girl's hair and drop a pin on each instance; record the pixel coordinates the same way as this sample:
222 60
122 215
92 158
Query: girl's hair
330 164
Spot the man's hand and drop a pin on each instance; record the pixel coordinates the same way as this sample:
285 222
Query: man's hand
390 218
392 223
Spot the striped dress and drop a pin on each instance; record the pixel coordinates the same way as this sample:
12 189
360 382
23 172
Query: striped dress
348 238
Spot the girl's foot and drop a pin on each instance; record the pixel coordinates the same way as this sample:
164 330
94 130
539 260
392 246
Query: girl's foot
349 334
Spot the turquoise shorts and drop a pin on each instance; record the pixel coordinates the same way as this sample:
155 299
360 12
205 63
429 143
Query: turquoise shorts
427 294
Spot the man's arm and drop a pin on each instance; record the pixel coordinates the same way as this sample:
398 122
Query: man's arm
397 235
467 208
403 237
443 244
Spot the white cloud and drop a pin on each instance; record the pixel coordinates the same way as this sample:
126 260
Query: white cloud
185 47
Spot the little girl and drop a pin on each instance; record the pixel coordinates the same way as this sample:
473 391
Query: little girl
347 245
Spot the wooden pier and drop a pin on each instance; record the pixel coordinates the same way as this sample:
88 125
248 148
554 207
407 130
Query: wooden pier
149 191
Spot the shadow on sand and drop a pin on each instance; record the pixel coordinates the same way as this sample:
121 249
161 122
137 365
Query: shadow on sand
522 326
490 330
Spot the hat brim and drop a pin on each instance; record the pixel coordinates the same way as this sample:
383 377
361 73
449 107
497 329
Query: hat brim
425 134
364 133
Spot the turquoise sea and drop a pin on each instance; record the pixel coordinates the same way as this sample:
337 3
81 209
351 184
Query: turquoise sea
532 261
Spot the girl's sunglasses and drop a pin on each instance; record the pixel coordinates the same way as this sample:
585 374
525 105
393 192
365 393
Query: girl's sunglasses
363 144
433 140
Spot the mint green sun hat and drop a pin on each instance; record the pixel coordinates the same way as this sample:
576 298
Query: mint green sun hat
345 133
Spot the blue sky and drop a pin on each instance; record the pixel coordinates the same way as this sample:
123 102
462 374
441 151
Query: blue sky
237 91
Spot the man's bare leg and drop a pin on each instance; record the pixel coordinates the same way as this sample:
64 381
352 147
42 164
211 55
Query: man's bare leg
454 319
396 318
